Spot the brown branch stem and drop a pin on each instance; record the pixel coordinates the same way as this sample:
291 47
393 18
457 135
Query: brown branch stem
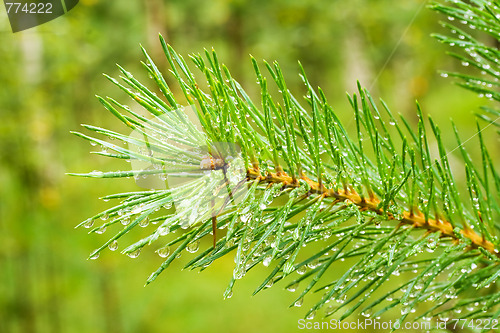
417 219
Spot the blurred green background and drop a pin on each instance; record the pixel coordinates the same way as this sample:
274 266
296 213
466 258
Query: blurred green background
48 78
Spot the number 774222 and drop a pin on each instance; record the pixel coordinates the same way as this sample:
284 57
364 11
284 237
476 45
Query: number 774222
31 8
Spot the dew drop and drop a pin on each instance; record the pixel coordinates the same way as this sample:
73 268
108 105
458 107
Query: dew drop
144 223
313 264
245 217
299 302
163 231
193 247
113 245
293 287
302 270
267 260
329 310
125 220
134 254
164 251
311 315
239 272
89 223
94 256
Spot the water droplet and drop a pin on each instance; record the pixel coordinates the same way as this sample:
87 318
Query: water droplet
293 287
299 302
239 272
94 256
101 230
302 270
244 218
313 264
311 315
193 247
134 254
164 251
113 245
89 223
144 223
267 260
125 220
137 209
163 231
366 313
329 310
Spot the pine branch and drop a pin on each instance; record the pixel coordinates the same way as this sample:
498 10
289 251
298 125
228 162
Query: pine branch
288 186
445 228
475 32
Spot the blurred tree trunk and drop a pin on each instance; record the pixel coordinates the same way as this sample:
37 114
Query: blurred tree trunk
235 36
27 169
54 302
24 302
156 24
110 302
357 66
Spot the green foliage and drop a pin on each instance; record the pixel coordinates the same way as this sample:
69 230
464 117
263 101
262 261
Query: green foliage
292 189
477 50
